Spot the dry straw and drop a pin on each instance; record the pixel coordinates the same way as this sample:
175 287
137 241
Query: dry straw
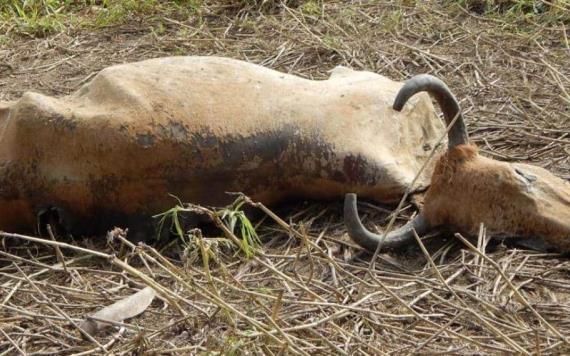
305 290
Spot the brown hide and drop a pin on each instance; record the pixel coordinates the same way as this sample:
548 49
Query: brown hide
511 199
197 127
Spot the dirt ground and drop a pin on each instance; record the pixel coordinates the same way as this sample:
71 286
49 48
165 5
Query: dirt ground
307 291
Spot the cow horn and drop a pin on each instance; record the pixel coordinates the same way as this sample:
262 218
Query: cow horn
424 82
457 135
393 241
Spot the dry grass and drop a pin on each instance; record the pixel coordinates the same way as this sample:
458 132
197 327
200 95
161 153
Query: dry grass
304 291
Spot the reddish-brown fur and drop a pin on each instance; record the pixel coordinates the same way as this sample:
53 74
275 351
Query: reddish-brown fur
468 189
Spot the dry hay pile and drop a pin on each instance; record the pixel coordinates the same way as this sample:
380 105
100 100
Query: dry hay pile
304 290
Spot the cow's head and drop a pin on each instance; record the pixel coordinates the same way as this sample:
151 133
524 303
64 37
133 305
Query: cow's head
468 189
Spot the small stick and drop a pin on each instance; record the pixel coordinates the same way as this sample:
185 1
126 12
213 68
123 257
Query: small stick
108 345
12 342
437 333
61 312
58 253
507 339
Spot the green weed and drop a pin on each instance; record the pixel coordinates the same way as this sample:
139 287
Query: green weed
33 17
235 218
172 215
4 40
42 17
311 8
232 217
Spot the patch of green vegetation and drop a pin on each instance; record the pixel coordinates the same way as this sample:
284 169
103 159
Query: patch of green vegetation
112 12
117 11
159 29
392 20
172 216
545 12
233 218
312 8
332 42
4 40
33 17
42 17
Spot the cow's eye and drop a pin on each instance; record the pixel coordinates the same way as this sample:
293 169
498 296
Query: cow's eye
526 177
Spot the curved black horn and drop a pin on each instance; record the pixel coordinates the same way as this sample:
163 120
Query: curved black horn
449 105
395 240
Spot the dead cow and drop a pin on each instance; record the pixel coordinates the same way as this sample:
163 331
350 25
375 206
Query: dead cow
198 127
467 189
